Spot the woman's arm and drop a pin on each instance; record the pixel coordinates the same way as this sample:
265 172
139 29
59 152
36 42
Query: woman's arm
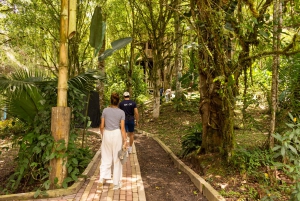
102 126
123 132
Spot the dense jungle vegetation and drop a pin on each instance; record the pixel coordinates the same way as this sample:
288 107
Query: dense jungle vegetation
235 64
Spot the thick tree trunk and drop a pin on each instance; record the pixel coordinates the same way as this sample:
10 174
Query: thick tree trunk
215 83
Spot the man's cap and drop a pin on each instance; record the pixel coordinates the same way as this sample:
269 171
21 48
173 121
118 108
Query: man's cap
126 93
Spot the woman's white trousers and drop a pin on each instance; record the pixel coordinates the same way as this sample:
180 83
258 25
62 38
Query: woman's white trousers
111 144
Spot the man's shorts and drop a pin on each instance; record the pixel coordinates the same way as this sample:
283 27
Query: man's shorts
129 126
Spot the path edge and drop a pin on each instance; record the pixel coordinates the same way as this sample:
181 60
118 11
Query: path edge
205 188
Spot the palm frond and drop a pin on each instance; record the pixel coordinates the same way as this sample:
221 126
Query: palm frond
86 82
19 80
26 105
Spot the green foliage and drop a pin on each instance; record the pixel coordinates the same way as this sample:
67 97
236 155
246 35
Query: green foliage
191 141
269 197
289 90
190 78
11 127
288 147
186 102
179 102
78 160
249 161
36 146
117 78
33 159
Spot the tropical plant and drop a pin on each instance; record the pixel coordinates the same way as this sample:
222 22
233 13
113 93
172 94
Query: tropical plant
36 146
191 141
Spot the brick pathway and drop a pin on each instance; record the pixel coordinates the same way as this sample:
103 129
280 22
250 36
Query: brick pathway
132 185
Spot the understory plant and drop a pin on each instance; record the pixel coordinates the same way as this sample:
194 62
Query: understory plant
191 141
255 164
288 150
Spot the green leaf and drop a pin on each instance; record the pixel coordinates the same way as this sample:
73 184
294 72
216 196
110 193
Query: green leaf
41 137
74 177
70 169
263 33
37 193
282 151
276 148
96 29
228 26
292 149
290 125
36 150
105 54
116 45
277 136
75 161
97 49
47 184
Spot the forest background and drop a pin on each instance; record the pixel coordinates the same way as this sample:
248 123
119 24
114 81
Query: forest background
238 55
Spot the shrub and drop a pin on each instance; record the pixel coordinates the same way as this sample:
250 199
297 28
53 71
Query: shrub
191 141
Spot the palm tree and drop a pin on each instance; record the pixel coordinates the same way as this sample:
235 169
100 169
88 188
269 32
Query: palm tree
24 90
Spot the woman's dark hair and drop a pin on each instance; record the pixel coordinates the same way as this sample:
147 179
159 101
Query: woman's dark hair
114 98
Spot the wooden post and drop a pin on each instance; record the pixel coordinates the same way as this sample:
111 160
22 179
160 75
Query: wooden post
60 127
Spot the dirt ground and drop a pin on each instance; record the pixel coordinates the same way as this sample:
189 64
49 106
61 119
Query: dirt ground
161 179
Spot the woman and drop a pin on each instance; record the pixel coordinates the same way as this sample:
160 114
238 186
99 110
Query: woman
113 137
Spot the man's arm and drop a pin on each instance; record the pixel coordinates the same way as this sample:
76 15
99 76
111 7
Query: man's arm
136 116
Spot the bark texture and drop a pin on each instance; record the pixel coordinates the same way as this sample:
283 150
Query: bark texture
60 127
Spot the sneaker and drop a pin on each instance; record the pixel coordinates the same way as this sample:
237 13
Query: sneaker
130 150
116 187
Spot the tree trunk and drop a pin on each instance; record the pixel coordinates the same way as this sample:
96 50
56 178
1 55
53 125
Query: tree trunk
277 19
60 127
156 85
215 83
63 56
178 53
60 123
132 45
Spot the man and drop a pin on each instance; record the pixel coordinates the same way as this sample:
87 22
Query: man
131 117
168 95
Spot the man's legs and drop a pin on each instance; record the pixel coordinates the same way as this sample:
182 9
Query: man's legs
131 139
129 130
